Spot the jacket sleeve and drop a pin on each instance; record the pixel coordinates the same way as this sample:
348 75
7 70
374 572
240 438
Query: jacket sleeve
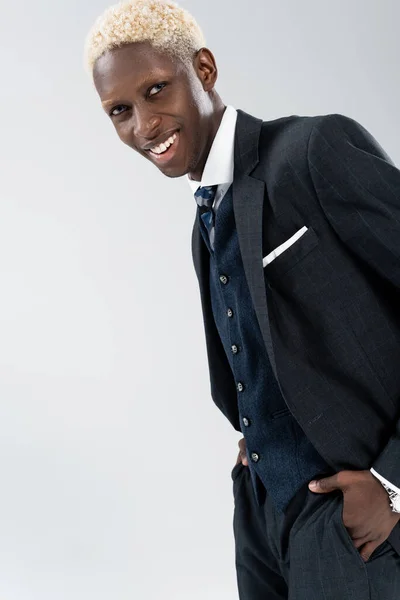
358 187
385 481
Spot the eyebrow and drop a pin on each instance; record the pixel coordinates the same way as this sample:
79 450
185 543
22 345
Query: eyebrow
109 103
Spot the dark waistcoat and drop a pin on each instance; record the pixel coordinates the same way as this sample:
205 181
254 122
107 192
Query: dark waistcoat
281 457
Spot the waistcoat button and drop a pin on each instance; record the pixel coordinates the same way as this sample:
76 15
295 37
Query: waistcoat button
240 387
229 312
235 349
255 457
246 421
223 279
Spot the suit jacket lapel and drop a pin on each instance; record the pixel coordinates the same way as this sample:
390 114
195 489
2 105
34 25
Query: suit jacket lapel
248 201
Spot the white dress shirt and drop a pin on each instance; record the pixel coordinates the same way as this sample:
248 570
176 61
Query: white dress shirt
218 169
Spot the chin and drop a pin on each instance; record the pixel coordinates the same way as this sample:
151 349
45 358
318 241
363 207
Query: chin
173 172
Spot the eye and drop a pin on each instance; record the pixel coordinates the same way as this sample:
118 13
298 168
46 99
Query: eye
118 110
156 86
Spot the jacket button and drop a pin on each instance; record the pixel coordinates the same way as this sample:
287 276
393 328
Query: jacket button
235 349
240 387
223 279
229 312
255 457
246 421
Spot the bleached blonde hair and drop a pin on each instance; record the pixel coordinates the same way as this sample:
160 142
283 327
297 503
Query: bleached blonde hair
168 27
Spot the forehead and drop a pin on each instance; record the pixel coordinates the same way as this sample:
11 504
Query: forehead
133 64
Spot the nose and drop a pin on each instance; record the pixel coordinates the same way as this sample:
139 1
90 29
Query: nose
145 126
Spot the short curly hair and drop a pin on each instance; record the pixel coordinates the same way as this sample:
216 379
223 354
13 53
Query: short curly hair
168 27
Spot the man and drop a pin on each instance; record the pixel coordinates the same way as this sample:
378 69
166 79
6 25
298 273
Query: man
296 246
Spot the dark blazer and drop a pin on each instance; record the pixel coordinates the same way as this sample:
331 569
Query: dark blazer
329 306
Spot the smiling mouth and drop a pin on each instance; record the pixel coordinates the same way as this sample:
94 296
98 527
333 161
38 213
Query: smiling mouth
166 155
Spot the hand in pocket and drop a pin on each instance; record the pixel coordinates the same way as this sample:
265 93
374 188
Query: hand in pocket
242 456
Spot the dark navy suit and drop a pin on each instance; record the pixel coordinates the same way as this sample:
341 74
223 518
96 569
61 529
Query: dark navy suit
327 309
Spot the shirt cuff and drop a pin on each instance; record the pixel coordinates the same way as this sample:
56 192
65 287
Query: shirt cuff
385 481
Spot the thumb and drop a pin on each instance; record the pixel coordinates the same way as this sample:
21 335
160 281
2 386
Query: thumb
324 485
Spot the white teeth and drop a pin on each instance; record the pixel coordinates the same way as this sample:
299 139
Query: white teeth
164 147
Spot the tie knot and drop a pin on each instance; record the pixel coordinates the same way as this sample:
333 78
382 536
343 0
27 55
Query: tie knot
204 196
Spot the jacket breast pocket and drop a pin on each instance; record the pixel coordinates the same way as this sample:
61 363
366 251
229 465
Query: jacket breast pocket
305 241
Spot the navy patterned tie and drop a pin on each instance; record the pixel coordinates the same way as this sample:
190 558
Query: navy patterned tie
204 197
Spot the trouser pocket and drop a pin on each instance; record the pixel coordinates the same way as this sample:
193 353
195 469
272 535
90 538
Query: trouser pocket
345 533
236 470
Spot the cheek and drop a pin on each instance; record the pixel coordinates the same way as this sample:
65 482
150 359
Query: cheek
123 132
195 143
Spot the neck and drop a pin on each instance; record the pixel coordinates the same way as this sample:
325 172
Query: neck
215 122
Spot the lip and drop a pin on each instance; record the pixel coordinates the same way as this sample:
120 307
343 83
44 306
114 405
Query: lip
169 154
161 140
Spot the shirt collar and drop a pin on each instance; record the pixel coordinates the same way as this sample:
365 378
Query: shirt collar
219 165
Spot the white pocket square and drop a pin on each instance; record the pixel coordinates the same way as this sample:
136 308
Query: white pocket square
272 255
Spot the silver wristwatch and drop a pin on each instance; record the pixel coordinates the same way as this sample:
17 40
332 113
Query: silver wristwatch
394 498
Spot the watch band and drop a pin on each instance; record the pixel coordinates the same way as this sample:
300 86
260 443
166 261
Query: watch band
394 498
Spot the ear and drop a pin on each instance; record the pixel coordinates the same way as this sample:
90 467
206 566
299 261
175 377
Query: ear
206 68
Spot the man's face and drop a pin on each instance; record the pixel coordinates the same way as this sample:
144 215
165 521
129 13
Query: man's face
151 97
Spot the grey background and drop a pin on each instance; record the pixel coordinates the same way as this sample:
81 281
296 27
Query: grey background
100 314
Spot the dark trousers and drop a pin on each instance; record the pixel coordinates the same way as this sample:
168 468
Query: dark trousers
306 553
